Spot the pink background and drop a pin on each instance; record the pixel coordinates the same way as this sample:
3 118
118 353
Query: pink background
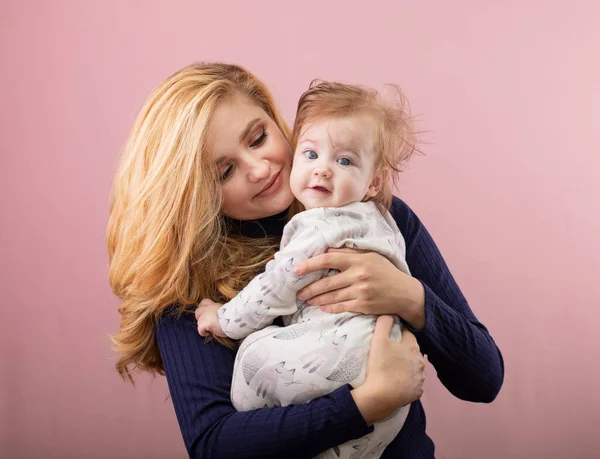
509 94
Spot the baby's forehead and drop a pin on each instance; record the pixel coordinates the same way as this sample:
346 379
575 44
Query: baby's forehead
354 132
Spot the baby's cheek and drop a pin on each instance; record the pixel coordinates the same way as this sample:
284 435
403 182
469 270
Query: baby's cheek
295 180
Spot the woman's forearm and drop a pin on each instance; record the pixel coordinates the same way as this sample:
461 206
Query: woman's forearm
199 376
465 356
411 306
461 349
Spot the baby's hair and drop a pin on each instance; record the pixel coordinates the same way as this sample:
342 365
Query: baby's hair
395 139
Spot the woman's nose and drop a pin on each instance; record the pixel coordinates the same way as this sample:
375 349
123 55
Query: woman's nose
258 170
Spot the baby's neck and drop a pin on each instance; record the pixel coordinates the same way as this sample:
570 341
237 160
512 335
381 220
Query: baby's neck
329 207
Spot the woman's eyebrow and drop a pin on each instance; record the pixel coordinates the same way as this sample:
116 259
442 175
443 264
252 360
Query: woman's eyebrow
248 128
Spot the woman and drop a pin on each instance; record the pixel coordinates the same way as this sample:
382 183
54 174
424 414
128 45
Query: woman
199 201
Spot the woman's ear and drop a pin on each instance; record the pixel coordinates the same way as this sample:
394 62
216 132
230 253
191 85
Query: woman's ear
379 178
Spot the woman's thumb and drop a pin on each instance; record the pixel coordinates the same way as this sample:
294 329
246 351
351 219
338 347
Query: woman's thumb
383 327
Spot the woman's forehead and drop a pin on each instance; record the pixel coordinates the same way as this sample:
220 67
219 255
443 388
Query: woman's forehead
233 121
236 112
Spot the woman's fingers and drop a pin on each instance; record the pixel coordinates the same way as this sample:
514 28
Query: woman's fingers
335 308
332 296
381 335
346 250
328 284
339 261
409 337
395 371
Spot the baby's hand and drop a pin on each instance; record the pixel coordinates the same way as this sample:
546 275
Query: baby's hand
208 320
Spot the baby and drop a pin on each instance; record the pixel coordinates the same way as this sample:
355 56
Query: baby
348 142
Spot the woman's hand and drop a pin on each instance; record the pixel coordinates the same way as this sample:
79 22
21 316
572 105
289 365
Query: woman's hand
367 283
208 319
395 374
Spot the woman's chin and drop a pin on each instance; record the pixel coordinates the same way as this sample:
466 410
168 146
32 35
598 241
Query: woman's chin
278 203
278 207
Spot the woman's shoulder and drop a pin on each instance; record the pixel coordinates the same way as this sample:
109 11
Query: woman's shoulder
177 319
182 347
404 216
178 324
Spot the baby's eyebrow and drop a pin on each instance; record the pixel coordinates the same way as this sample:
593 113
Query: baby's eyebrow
308 141
350 147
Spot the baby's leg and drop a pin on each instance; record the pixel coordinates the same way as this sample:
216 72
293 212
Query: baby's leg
267 371
373 445
252 387
295 364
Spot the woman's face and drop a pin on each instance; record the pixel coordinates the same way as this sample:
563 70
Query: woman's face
254 160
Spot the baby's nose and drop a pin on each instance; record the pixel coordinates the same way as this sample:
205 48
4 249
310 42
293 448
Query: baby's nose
322 171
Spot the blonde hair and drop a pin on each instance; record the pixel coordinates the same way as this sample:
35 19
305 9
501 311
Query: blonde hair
167 242
395 139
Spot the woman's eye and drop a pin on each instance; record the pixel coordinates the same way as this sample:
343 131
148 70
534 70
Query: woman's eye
311 154
227 173
344 162
257 142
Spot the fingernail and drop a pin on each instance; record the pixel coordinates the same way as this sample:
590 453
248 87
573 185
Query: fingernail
311 302
297 270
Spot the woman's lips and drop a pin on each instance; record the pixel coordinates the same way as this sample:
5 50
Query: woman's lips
272 187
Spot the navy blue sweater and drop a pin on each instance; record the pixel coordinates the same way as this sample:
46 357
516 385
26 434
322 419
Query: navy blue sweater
199 373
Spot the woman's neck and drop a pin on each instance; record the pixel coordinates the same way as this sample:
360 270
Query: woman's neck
263 227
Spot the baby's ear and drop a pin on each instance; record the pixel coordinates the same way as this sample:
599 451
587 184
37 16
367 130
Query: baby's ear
377 182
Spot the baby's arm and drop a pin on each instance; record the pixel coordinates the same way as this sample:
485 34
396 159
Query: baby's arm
273 293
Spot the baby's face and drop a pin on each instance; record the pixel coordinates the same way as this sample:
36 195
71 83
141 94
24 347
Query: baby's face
334 163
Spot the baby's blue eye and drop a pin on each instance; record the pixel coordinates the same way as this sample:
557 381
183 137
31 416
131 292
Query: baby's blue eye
311 154
344 162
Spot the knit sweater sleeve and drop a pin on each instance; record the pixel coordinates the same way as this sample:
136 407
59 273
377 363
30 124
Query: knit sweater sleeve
457 344
199 375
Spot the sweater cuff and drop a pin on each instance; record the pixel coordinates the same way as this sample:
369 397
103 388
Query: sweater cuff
347 408
431 301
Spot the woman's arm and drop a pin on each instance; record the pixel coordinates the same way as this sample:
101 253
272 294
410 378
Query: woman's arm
466 359
199 375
